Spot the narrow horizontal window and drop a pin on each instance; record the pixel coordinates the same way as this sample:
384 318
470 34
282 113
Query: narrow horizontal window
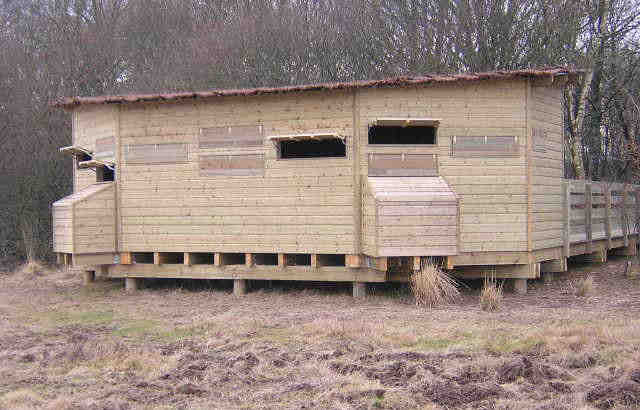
228 137
403 165
231 165
312 148
394 135
155 153
484 146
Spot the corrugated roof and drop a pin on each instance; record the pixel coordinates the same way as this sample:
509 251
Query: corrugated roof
71 102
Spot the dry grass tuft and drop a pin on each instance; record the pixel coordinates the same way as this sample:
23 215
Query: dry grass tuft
20 399
491 295
431 286
584 287
32 267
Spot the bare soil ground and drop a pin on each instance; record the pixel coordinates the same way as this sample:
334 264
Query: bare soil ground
195 345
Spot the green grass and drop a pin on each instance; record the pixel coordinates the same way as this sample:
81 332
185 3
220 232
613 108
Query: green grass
82 318
502 343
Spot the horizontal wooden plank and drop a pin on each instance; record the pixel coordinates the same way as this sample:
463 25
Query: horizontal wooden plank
417 251
325 273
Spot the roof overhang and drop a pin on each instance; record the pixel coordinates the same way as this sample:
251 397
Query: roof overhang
530 73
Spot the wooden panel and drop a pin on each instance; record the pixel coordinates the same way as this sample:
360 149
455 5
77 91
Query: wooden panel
484 146
402 165
231 165
540 143
230 136
155 153
105 147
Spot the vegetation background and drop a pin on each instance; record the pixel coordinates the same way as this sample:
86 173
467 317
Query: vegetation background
55 48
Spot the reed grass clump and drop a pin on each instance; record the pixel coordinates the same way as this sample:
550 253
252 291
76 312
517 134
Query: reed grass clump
432 286
584 287
491 294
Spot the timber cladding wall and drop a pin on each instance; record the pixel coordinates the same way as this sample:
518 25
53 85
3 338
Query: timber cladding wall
233 194
491 188
205 176
93 128
546 166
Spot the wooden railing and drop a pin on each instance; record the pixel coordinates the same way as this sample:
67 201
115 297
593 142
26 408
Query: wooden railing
599 211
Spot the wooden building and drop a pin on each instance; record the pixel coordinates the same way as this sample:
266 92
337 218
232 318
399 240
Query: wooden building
334 182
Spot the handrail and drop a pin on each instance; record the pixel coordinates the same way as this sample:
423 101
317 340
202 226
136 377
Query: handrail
599 210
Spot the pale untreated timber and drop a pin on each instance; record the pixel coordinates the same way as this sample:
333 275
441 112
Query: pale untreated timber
359 290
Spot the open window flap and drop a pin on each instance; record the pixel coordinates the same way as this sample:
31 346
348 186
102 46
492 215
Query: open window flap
406 122
75 150
308 136
94 163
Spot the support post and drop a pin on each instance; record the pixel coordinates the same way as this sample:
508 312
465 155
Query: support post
131 284
314 260
607 215
88 277
59 258
520 286
239 287
588 205
187 259
547 277
625 215
282 260
566 213
217 259
359 290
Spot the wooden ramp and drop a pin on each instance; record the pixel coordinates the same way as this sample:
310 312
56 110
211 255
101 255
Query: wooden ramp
410 216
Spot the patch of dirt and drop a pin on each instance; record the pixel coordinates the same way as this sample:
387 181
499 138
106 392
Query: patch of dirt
619 393
453 395
523 367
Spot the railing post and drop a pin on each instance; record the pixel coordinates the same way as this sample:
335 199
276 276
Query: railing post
588 201
625 215
566 214
607 214
636 224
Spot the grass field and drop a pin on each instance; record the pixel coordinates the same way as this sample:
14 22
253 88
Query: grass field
195 345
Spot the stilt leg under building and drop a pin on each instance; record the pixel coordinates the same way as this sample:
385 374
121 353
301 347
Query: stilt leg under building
359 289
131 284
88 277
240 287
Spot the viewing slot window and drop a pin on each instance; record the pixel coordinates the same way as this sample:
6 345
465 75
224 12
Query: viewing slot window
310 146
403 131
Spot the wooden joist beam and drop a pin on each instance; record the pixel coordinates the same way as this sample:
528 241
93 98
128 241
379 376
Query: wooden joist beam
126 258
352 261
248 260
